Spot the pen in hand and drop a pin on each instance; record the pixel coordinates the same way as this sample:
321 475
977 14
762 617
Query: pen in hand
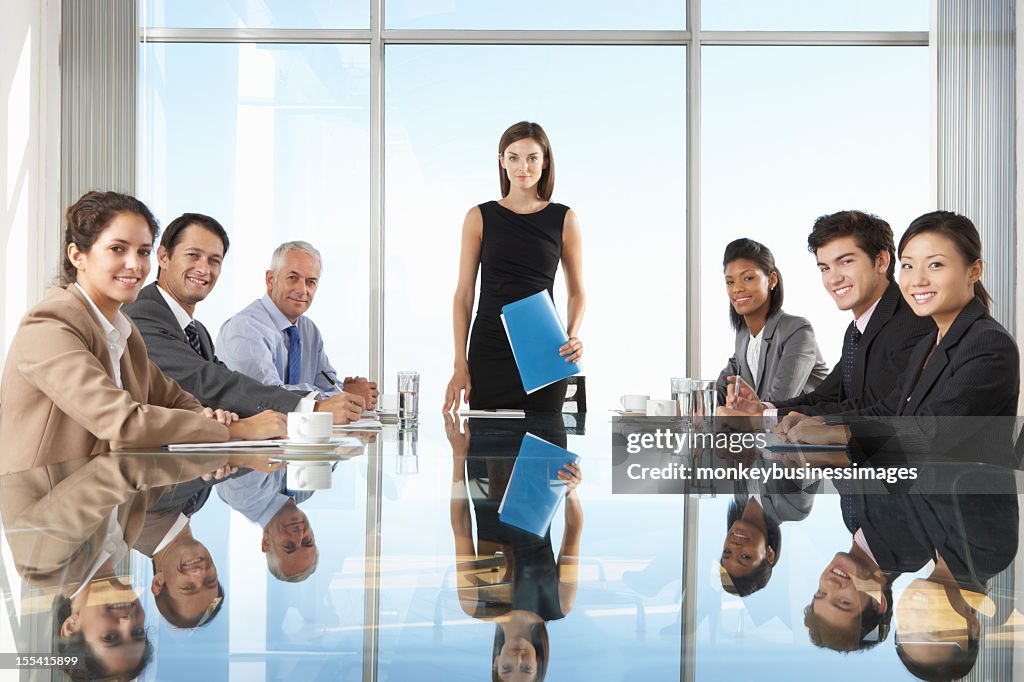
333 382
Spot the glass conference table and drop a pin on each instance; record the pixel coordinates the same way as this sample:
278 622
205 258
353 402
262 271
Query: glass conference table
418 577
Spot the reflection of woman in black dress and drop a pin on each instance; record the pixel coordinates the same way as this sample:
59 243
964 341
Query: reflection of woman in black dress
516 243
509 576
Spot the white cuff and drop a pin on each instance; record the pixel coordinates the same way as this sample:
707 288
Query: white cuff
308 403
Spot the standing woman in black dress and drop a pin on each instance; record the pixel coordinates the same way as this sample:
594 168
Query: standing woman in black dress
516 243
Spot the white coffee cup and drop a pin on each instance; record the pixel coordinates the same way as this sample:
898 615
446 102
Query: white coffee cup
661 408
634 403
387 402
308 475
310 427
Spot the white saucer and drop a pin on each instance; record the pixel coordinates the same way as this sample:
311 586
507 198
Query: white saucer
631 413
309 447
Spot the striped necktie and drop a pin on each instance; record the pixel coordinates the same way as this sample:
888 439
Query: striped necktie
192 334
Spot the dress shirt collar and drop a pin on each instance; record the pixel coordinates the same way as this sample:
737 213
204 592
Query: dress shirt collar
862 542
172 533
277 502
180 315
276 316
862 321
113 547
117 333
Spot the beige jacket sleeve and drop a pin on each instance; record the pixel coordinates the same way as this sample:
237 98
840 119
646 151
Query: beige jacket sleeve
57 358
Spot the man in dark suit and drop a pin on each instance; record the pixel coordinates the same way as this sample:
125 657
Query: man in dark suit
190 255
856 256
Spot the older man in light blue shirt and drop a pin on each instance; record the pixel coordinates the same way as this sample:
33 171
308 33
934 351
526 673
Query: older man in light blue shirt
288 539
271 339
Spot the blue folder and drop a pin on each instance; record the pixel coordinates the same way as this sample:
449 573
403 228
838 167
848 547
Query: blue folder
535 334
534 491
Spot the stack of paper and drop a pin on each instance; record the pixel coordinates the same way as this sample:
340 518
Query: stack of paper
495 414
229 445
364 424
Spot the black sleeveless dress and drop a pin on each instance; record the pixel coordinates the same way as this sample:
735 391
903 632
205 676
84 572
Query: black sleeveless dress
519 256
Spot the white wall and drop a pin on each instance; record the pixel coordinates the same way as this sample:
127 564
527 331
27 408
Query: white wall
29 180
29 149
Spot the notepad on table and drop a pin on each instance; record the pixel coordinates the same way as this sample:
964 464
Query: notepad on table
536 333
534 490
496 414
364 423
225 445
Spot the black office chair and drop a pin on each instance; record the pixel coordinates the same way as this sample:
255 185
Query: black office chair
1018 449
574 407
575 396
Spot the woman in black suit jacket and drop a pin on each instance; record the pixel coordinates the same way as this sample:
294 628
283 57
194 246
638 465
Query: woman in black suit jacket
970 369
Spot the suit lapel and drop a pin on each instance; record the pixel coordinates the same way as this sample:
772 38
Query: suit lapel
887 306
149 291
205 340
766 340
926 379
940 357
99 340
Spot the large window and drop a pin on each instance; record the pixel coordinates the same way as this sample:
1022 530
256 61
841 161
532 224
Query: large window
294 125
315 120
612 116
814 15
792 133
272 141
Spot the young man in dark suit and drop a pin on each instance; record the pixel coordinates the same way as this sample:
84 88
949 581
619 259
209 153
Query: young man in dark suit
856 255
190 255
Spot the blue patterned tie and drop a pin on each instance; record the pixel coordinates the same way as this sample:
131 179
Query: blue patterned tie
849 353
294 355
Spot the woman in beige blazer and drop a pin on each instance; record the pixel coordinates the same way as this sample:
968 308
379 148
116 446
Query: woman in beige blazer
77 380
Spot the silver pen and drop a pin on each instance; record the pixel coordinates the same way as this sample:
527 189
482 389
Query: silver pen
334 382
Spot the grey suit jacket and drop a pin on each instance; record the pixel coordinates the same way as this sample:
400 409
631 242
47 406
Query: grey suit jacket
789 362
210 381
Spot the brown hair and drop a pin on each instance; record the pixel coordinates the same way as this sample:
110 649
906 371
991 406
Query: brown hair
961 231
872 234
522 131
86 219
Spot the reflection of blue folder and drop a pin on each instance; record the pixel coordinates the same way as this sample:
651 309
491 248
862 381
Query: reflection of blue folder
535 334
534 491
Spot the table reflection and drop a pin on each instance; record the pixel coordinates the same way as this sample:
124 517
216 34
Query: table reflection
399 563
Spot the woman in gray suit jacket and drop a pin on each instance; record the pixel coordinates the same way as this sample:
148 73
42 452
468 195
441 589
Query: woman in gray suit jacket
775 352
